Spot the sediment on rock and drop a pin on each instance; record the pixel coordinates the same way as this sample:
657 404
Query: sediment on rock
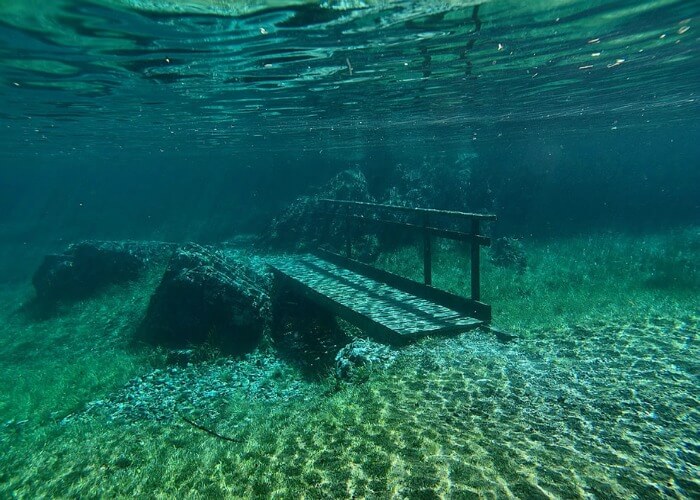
358 359
205 298
88 266
301 225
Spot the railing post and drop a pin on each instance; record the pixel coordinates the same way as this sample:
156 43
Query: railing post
427 253
348 233
475 262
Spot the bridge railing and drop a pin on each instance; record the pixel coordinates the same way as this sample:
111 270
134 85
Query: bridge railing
430 223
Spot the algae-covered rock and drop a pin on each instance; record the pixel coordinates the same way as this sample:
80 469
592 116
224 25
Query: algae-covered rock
88 266
439 182
355 361
205 298
302 224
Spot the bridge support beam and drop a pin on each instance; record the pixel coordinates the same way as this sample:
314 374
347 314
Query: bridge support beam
475 263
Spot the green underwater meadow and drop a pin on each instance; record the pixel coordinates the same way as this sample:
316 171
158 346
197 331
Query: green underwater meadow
159 159
595 397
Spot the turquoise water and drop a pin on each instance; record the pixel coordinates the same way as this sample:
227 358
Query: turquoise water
575 122
330 76
239 107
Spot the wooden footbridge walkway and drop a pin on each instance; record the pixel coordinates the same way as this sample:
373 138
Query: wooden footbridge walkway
389 307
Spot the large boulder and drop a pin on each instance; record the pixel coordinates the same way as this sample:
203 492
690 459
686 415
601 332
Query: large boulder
440 181
89 266
205 298
301 225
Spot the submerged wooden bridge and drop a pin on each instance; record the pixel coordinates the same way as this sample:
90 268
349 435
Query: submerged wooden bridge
387 306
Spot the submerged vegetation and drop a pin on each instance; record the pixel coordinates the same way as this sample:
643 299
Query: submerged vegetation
574 280
601 379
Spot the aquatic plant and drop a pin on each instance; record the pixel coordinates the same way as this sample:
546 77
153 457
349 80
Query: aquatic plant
566 280
674 262
448 417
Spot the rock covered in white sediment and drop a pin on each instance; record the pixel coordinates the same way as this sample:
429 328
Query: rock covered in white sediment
361 356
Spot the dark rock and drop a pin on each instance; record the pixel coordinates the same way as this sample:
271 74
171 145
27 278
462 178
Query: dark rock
355 361
300 226
442 182
417 185
88 266
439 181
122 462
508 252
304 333
203 298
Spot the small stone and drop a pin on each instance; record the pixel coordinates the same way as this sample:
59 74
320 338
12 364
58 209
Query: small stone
357 357
180 357
122 462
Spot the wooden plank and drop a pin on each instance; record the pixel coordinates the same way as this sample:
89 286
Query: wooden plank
468 307
378 330
434 231
473 306
475 265
427 254
385 312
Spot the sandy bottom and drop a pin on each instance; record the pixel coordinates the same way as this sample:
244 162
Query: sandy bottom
597 410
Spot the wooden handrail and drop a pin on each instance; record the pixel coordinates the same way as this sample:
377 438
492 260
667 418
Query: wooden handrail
431 230
399 208
426 227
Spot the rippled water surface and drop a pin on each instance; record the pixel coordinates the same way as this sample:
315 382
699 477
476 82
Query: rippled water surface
147 74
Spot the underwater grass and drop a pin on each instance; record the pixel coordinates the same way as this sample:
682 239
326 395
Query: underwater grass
53 363
598 397
574 279
460 417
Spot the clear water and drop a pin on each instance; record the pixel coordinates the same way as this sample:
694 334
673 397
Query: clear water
203 76
591 95
201 120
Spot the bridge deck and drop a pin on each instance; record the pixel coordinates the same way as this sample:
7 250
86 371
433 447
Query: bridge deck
377 307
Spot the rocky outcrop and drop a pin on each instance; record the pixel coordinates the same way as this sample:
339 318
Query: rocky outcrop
300 226
205 298
439 182
89 266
